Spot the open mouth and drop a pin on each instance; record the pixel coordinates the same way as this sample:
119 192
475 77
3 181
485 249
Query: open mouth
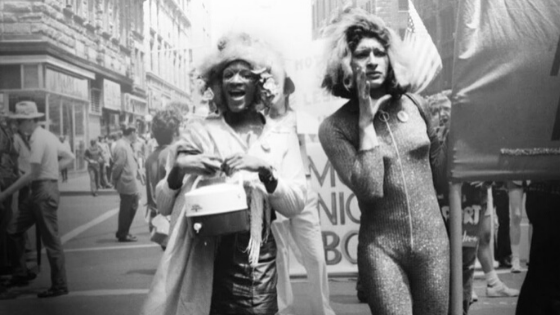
236 94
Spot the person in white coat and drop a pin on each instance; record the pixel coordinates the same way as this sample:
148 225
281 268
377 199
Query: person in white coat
300 234
233 273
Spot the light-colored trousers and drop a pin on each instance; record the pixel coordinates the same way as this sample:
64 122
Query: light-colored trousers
302 234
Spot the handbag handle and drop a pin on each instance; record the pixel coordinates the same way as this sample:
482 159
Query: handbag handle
217 179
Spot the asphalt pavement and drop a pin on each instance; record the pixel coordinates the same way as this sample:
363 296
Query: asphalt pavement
110 278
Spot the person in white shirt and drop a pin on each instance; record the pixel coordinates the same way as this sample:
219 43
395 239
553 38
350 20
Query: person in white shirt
48 156
64 172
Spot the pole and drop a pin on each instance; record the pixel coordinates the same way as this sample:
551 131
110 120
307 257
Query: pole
455 229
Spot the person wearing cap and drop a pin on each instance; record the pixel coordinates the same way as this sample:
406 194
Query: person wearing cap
234 273
48 156
125 170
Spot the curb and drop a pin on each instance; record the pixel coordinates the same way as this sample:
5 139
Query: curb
72 193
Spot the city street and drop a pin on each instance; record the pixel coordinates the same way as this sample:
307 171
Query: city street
111 278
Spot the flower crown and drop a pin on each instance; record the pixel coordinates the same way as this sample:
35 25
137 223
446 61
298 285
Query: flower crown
267 86
266 64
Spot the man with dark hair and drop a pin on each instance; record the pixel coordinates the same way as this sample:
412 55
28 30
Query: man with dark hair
104 164
165 127
48 156
93 156
125 171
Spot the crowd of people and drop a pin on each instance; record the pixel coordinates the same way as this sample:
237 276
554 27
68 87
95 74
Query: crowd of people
383 143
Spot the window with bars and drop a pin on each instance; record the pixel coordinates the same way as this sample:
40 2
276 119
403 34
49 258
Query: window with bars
95 101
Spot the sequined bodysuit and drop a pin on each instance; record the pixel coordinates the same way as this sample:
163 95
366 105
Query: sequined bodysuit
403 251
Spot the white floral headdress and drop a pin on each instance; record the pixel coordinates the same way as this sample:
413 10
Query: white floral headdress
264 61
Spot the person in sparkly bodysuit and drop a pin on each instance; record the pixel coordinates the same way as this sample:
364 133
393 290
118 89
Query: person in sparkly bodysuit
387 153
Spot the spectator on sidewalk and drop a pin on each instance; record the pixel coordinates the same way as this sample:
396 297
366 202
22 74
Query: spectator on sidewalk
47 158
125 172
93 157
104 164
64 171
165 128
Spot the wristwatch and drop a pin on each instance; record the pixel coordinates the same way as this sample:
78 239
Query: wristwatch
269 177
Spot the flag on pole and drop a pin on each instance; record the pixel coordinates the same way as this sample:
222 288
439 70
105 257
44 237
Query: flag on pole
426 60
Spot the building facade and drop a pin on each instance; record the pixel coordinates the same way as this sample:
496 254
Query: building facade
168 46
76 59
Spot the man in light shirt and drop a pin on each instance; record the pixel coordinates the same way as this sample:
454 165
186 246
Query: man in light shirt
48 156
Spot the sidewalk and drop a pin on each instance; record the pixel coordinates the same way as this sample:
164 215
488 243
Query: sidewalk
78 185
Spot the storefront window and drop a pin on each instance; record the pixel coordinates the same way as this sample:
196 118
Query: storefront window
54 115
109 122
68 127
66 117
80 135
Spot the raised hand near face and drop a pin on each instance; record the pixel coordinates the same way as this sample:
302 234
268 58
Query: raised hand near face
368 106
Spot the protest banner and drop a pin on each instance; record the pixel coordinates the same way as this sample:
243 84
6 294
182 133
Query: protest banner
505 121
